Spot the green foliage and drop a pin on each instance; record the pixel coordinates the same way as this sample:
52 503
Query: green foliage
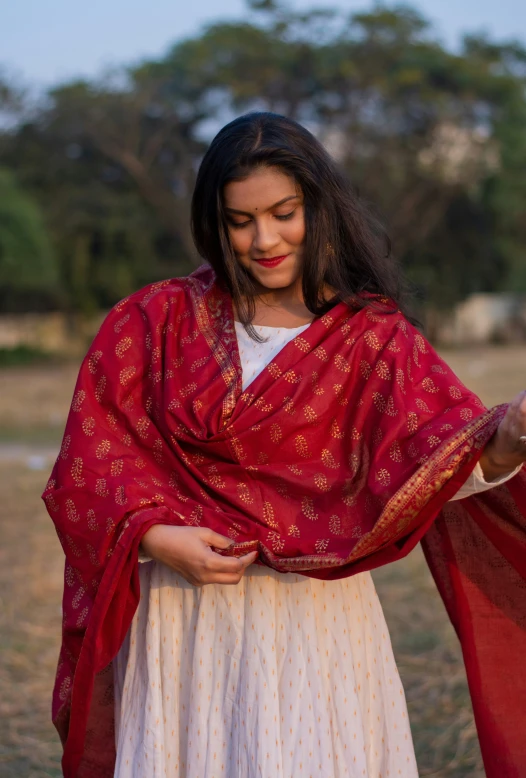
26 257
436 140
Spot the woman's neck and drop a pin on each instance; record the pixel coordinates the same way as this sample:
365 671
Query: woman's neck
280 310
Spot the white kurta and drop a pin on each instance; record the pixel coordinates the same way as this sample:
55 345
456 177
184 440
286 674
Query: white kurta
281 675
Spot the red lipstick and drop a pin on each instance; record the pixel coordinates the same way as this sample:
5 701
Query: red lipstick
271 261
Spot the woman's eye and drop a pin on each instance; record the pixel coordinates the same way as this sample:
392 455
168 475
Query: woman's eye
237 225
284 216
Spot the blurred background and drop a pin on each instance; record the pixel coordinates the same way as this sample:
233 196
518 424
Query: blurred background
105 112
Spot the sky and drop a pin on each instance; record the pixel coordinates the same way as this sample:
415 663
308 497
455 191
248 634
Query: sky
44 42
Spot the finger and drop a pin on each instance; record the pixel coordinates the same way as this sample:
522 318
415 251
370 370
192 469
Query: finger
248 559
217 563
217 540
223 578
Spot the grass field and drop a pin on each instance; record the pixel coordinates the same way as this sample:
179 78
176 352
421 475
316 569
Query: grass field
33 407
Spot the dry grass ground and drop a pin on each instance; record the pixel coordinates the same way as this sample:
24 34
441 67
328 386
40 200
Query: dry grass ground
33 407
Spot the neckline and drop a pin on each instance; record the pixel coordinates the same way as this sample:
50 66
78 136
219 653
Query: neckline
269 327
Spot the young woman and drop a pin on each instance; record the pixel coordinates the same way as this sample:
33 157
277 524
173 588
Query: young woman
243 446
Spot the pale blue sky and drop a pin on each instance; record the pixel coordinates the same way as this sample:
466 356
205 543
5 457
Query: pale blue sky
46 41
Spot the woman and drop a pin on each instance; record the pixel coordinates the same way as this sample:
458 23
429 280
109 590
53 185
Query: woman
276 407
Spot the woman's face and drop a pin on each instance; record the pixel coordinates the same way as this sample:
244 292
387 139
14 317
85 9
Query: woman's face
266 221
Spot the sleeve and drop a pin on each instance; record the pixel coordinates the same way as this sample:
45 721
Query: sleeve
476 483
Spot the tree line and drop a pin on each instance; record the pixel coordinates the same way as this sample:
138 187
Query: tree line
95 179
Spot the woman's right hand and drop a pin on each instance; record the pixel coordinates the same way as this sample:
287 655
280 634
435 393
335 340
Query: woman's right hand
187 550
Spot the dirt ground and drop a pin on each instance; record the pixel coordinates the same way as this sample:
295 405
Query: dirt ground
33 407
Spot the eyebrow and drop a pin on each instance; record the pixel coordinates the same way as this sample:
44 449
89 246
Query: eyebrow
281 202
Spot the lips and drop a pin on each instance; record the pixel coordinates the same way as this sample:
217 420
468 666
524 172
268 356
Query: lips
271 261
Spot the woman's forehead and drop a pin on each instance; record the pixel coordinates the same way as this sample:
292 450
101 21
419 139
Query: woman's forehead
261 190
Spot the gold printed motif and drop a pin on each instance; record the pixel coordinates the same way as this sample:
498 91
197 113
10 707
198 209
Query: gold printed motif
307 507
322 483
429 385
466 414
402 325
71 511
65 686
301 446
276 541
142 427
391 346
335 431
185 391
385 406
382 370
371 338
310 413
420 344
92 520
120 496
378 436
375 317
244 493
320 352
77 401
76 472
268 515
262 405
422 406
365 369
103 449
395 452
93 361
262 458
199 363
292 377
116 467
120 324
99 389
88 426
293 531
355 435
288 406
321 545
455 392
238 448
123 346
190 338
342 364
327 320
274 370
317 390
294 469
101 489
400 380
301 343
335 524
127 374
412 422
383 476
275 433
438 369
328 459
433 441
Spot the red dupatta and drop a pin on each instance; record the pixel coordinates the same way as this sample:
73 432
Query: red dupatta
337 459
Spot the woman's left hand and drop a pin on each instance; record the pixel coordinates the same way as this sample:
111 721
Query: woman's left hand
505 452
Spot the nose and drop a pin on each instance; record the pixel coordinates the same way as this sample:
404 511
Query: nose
266 236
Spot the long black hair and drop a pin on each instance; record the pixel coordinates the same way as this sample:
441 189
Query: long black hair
345 246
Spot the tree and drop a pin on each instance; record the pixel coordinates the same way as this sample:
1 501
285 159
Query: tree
27 262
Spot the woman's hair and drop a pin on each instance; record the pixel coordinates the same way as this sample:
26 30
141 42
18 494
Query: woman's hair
345 247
